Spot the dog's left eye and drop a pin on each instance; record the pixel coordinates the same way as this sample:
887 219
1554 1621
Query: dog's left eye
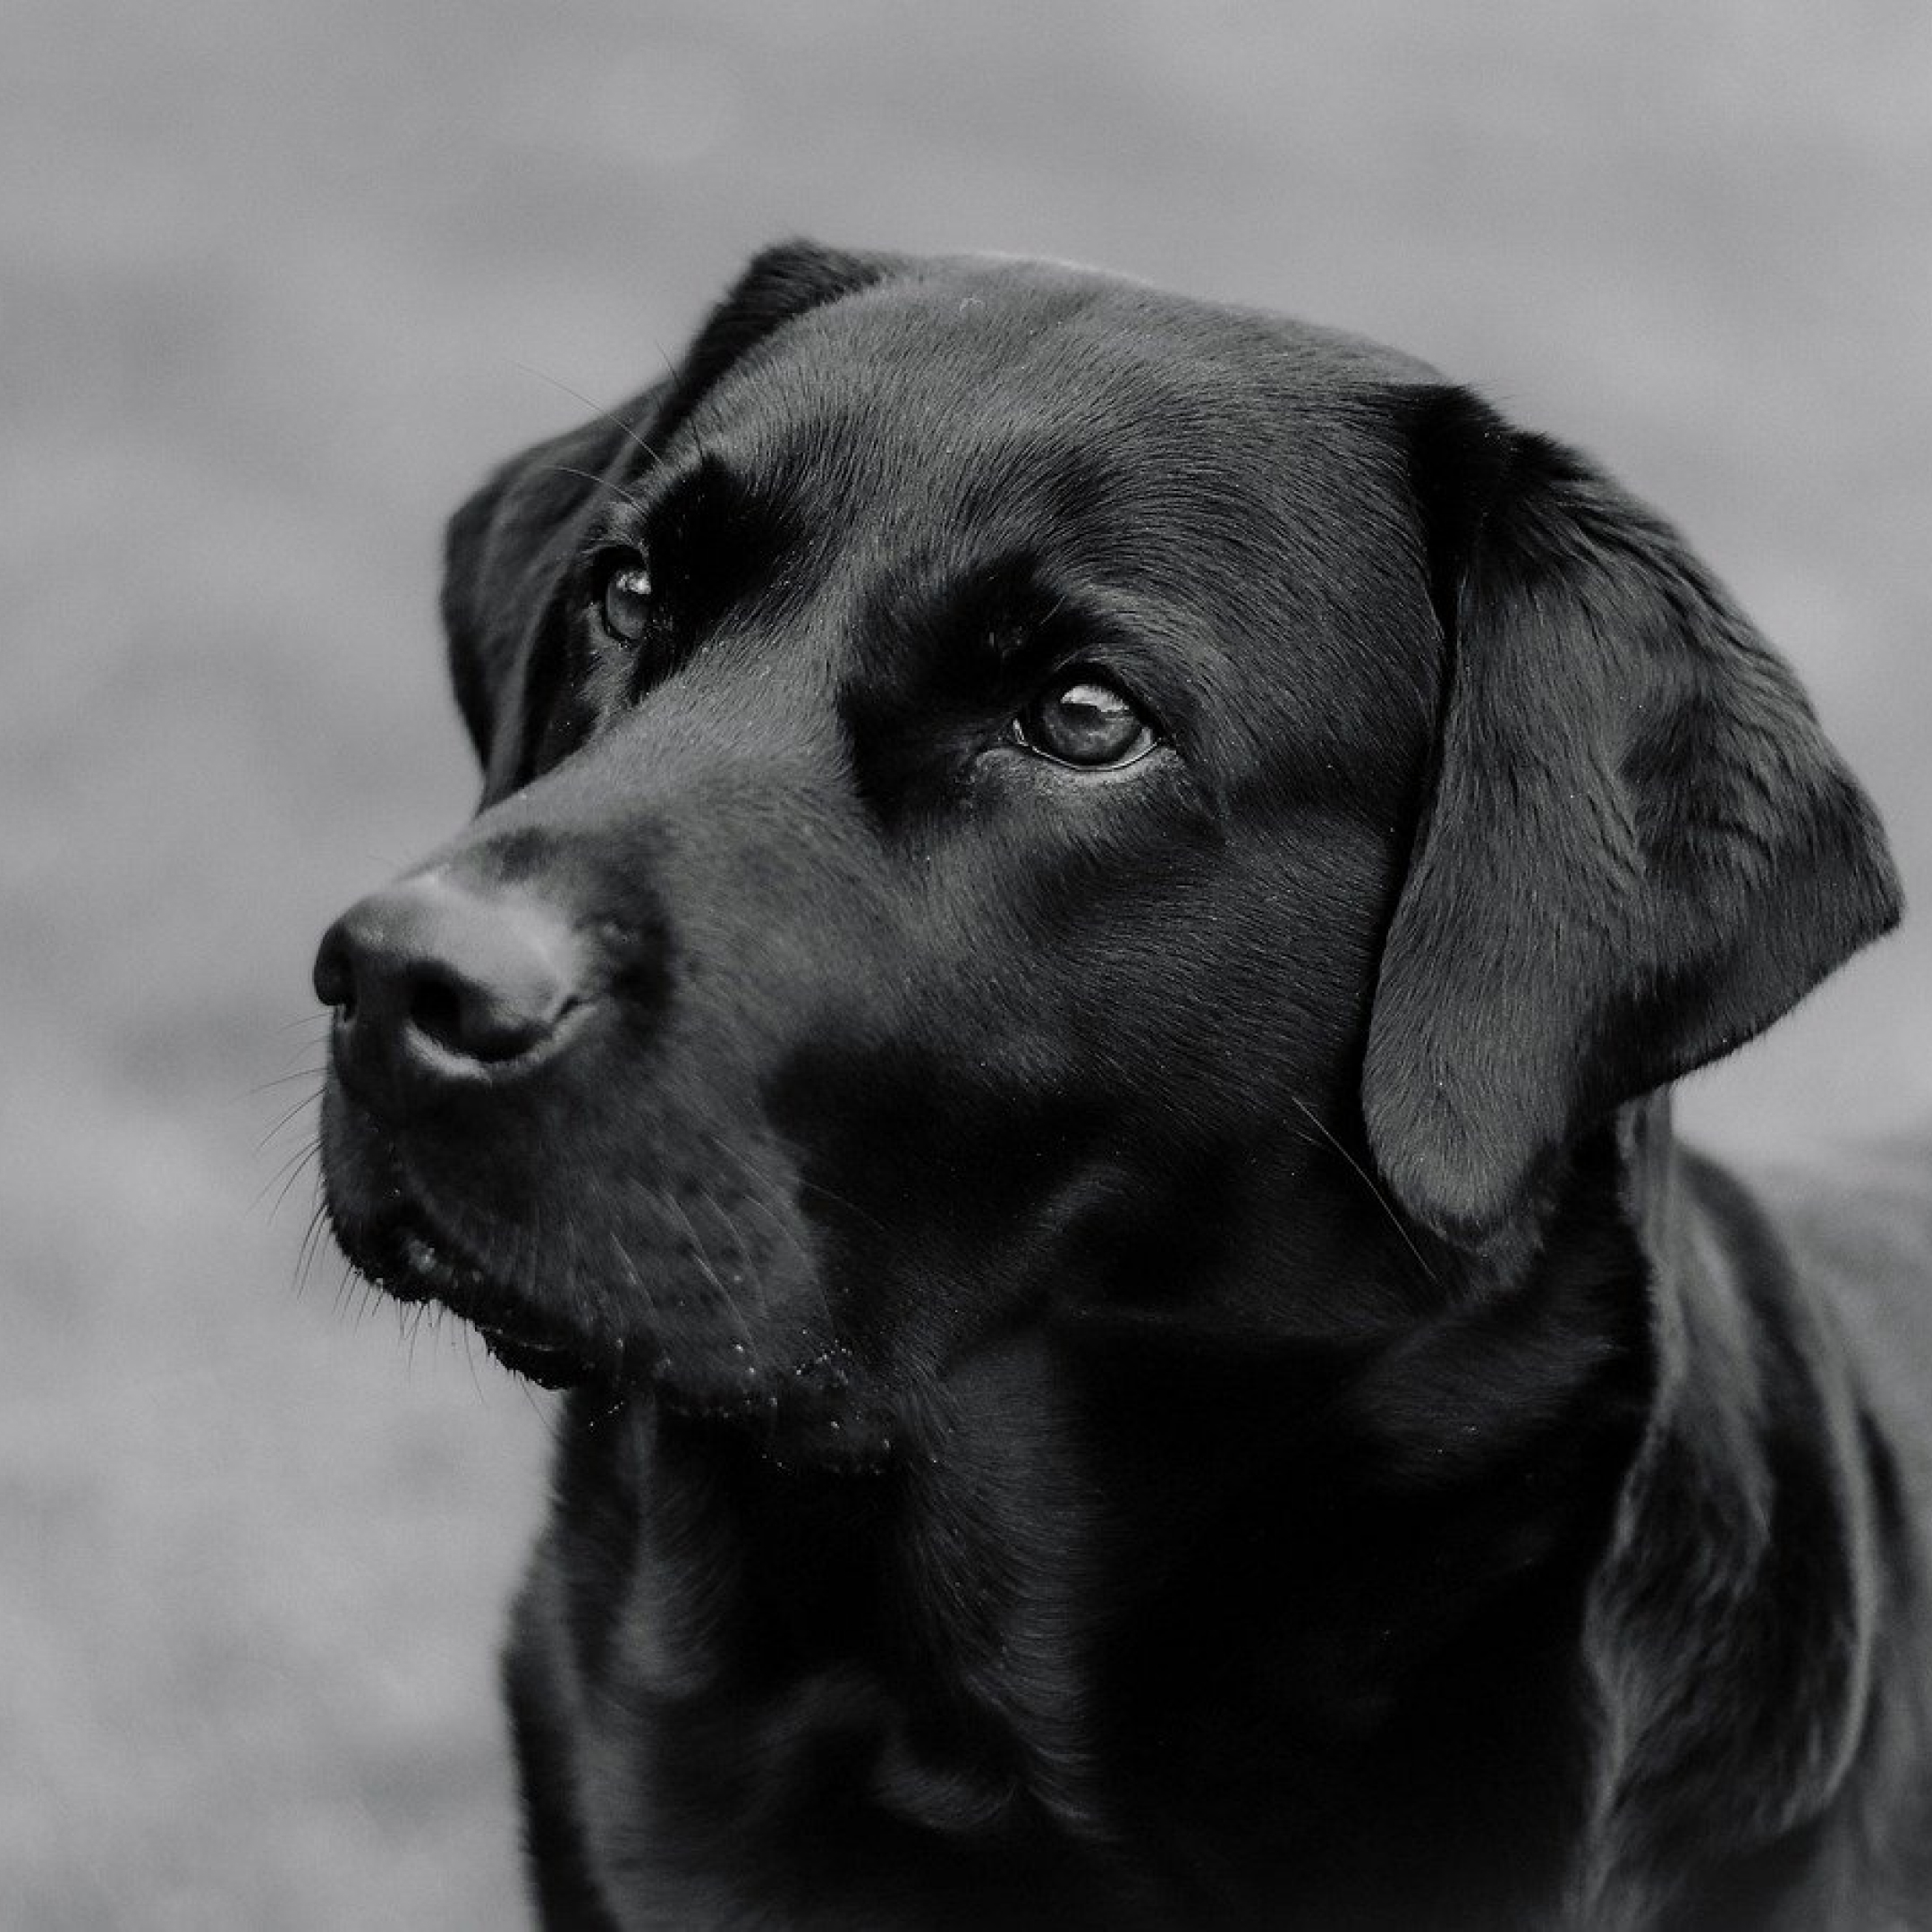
1084 721
624 604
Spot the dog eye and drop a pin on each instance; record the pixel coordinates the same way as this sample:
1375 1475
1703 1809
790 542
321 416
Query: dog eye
624 606
1084 721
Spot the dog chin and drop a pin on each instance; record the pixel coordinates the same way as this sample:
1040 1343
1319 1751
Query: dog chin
549 1362
814 1408
413 1263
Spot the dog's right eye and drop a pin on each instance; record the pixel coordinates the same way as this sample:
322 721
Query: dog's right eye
1086 720
624 602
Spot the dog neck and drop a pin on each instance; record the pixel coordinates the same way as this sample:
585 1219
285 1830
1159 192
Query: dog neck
1312 1587
1291 1576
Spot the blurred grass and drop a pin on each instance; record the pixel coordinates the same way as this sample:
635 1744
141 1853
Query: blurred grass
270 274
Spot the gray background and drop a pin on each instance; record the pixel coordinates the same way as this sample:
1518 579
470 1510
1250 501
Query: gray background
275 278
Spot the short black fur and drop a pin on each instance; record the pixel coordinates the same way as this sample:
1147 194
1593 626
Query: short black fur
1141 1352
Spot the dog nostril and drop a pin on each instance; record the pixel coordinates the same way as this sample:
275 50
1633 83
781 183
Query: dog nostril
436 1010
477 1022
335 972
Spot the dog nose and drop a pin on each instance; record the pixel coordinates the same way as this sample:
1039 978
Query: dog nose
430 976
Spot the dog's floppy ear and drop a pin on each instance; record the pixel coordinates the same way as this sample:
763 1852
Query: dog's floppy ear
1639 850
782 283
505 547
503 556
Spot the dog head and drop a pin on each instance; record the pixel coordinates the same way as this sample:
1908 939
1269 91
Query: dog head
1013 798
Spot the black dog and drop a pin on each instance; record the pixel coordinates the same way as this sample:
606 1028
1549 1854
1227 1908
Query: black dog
1057 1020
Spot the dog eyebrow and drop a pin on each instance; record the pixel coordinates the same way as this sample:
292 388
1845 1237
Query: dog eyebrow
711 536
973 634
989 617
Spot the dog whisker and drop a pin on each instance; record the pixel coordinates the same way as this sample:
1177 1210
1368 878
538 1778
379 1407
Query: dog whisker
622 428
286 1172
309 1161
312 1240
702 1258
765 1199
300 1107
616 489
1369 1181
314 1073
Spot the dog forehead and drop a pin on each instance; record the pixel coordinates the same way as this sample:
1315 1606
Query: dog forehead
991 311
963 373
1217 500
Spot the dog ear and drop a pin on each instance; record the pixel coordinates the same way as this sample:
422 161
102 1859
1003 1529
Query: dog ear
1639 850
505 548
504 556
782 283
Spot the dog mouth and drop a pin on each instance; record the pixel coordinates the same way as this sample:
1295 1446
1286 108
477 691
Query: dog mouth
793 1387
413 1263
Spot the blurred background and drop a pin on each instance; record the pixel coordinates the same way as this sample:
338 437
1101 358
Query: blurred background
276 280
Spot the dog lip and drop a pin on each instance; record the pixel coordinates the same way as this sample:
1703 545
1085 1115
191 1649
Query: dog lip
430 1270
413 1261
551 1364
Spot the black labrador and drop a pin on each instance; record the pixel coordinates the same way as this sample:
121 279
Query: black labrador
1056 1021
